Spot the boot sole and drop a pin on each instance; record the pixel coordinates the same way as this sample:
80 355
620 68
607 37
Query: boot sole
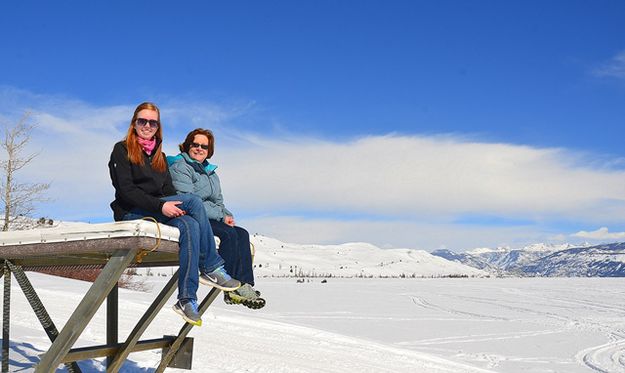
252 304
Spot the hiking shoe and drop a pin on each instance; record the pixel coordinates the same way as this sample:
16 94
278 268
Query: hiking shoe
245 295
220 279
188 310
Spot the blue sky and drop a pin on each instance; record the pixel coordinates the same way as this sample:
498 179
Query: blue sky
414 124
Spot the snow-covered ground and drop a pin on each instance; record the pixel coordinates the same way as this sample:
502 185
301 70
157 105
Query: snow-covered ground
367 325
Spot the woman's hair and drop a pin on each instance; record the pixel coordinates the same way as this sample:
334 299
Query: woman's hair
135 152
186 145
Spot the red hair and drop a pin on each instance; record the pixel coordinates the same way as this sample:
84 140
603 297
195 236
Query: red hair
135 152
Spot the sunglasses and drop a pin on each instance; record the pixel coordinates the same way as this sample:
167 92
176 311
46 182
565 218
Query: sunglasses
196 145
141 122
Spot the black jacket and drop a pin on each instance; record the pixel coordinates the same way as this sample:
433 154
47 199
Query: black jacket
137 186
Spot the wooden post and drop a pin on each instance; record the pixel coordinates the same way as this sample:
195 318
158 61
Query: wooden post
112 319
85 310
158 303
185 330
40 310
6 317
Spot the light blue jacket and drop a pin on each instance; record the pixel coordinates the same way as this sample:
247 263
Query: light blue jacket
191 176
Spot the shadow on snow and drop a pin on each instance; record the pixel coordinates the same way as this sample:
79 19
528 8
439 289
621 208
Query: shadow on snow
24 356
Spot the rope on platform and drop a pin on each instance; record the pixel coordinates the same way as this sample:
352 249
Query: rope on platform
143 252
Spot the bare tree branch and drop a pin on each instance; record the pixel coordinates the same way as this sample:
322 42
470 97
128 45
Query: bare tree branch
18 199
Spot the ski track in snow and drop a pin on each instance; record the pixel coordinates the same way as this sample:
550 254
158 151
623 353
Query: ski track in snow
231 339
607 358
562 315
424 326
425 304
319 351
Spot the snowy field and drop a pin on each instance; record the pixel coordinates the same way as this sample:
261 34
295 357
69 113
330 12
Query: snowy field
368 325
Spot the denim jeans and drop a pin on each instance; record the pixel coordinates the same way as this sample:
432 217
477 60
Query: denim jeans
234 247
197 249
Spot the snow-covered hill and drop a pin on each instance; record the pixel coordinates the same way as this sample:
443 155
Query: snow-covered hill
276 258
279 259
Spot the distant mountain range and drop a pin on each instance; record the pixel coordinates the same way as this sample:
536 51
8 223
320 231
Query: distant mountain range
605 260
276 258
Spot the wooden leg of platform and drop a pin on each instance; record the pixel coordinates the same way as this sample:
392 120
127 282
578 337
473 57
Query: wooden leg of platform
142 324
6 317
165 360
85 310
112 320
38 308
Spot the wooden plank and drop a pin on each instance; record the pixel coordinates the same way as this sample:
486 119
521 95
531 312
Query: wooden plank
94 352
38 308
6 317
142 324
85 310
153 259
75 248
112 319
165 360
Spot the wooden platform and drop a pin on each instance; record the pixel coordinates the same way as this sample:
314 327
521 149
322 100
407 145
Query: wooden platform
110 246
89 244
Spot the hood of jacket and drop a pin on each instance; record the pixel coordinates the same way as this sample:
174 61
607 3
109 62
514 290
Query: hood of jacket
205 166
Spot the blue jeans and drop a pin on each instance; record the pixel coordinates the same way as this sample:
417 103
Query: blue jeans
234 247
197 249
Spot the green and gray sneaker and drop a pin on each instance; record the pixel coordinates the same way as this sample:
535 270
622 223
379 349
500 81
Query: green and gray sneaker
245 295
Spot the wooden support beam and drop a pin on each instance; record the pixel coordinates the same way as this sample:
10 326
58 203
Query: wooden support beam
142 324
112 319
85 310
6 317
153 259
165 360
38 308
94 352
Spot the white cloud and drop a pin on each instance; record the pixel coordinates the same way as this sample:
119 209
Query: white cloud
75 140
392 233
394 189
614 68
418 177
600 234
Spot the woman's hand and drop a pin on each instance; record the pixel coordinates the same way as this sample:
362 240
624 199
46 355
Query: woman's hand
229 220
171 210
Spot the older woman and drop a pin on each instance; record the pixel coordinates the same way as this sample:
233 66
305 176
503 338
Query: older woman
143 187
192 174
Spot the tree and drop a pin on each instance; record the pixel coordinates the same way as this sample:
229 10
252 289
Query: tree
18 198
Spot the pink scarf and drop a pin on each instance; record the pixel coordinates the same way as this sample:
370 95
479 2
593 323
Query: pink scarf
147 145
